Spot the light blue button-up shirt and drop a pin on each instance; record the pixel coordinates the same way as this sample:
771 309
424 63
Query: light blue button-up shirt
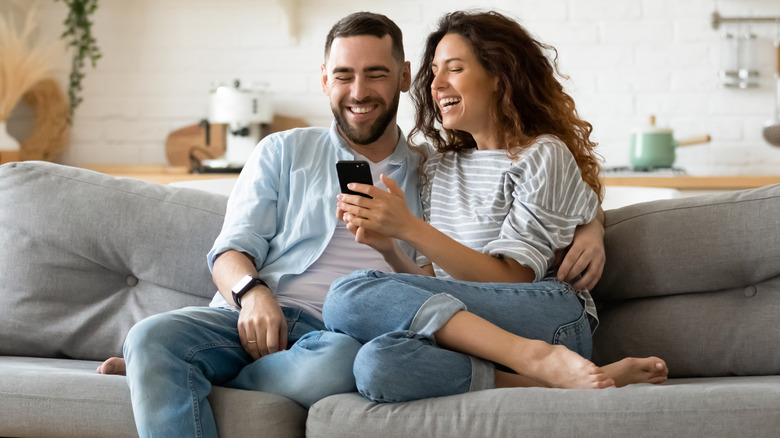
282 210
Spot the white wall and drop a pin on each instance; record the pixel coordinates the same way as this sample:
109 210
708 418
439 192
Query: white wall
627 59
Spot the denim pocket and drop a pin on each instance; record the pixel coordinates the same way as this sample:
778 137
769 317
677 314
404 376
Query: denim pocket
576 336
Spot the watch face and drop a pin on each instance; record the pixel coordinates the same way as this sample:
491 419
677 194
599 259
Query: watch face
243 283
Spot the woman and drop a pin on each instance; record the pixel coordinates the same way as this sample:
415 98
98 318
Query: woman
513 174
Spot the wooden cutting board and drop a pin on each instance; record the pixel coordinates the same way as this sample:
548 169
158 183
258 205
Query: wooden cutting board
188 144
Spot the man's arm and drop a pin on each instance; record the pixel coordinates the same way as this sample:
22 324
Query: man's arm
586 255
261 319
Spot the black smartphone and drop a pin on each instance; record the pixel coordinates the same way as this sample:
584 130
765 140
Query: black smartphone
354 172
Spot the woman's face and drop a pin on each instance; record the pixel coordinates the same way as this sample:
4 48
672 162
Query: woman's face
463 89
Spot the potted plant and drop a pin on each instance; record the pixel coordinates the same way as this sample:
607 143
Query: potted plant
78 34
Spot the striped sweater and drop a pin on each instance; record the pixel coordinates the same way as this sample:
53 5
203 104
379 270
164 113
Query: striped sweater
525 210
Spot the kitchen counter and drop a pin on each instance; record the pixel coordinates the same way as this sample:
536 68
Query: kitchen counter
156 173
164 174
686 182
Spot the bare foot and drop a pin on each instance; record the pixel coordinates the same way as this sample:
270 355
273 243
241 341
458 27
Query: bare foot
503 379
637 370
112 365
558 367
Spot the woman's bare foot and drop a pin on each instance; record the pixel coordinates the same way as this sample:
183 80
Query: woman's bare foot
558 367
503 379
112 365
637 370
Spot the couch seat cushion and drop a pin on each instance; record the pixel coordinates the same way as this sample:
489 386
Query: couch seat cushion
67 398
711 407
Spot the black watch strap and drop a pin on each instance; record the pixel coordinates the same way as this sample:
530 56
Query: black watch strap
244 285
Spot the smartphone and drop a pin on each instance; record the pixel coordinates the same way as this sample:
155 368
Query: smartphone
354 172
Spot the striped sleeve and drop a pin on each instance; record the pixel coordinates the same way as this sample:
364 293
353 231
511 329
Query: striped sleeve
550 200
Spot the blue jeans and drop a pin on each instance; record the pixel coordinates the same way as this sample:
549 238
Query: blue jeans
396 316
174 358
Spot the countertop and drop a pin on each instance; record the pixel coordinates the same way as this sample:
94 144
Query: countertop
164 174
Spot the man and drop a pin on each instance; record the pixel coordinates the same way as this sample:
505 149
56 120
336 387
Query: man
278 252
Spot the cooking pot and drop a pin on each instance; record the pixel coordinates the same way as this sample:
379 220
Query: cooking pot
654 146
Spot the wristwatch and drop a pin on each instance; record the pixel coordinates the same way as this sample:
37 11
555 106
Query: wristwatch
247 283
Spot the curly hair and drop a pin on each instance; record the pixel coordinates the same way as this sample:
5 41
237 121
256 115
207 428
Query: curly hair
530 101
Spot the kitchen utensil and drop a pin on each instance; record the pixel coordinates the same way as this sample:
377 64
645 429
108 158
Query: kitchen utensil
772 127
654 147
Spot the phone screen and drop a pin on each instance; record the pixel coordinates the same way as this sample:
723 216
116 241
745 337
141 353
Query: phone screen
354 171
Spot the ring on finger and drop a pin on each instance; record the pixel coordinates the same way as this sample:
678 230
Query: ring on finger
251 342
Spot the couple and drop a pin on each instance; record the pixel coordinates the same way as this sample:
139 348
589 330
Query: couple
501 194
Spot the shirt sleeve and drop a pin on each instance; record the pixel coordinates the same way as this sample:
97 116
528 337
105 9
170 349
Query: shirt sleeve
549 200
250 219
428 173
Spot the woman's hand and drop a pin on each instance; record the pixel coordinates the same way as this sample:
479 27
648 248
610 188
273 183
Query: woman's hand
385 213
585 256
378 241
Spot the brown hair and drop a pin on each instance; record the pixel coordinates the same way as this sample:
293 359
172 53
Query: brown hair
367 23
530 101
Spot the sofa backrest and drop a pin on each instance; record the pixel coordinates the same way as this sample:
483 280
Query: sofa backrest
84 256
695 281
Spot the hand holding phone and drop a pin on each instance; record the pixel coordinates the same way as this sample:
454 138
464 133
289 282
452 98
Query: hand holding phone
357 171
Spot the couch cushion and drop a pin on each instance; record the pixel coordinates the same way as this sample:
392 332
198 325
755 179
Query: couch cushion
695 281
83 256
689 245
67 398
724 407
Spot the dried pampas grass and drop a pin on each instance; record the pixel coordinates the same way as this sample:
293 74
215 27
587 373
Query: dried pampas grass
23 62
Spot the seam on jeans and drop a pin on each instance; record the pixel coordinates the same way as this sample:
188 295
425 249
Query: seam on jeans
572 326
195 403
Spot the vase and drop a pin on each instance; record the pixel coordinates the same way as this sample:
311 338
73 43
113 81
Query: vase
7 143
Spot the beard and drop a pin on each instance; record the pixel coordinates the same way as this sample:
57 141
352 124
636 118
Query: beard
371 133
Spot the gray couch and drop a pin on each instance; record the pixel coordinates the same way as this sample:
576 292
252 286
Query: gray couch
83 256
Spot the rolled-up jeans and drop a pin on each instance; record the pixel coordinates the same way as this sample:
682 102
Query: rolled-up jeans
174 358
396 316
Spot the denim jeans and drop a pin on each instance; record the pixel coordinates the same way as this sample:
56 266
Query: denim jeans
174 358
396 316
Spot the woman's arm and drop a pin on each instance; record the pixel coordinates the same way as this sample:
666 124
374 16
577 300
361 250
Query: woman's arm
386 213
388 247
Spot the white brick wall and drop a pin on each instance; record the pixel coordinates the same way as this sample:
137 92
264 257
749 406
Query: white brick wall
626 59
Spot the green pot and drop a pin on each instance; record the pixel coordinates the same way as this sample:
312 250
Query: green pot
653 148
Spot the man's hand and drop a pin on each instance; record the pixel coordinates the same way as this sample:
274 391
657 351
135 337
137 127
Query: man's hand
585 256
262 326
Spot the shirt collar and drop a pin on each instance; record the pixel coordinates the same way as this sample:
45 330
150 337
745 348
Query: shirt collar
399 156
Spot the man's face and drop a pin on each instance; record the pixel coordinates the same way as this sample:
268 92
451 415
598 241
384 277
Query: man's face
364 83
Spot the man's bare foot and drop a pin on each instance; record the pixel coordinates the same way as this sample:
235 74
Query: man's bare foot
112 365
558 367
637 370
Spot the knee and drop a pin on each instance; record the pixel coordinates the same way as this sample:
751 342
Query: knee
379 370
343 301
324 368
148 336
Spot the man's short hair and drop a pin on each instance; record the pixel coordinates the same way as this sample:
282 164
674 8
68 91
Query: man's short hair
367 23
